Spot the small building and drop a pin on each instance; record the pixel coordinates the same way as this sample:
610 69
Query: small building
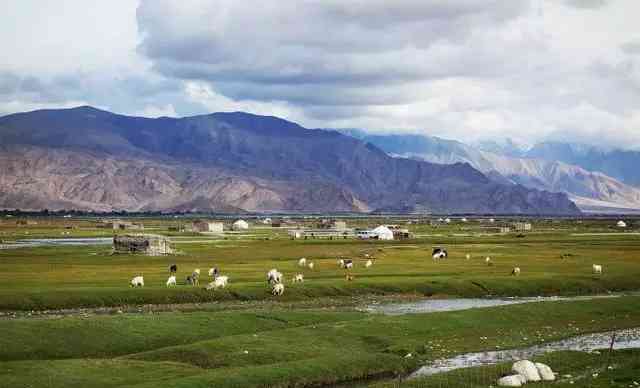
621 224
383 233
204 226
240 225
522 226
147 244
120 225
401 234
504 229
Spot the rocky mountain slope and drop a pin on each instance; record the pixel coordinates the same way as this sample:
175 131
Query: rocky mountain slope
619 164
87 158
590 190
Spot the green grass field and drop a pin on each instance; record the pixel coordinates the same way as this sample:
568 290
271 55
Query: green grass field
311 335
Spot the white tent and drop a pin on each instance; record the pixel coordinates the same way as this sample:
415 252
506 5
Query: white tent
383 233
621 224
240 225
447 220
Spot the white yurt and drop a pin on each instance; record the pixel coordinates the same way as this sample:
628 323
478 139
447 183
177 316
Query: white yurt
447 220
621 224
240 225
383 233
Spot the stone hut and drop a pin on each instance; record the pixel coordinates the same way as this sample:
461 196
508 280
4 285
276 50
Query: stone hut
147 244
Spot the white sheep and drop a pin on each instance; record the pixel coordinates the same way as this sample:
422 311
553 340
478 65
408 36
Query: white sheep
368 264
213 272
299 278
302 262
274 277
488 260
310 265
137 281
278 289
346 264
195 277
171 281
527 369
597 269
515 271
219 282
468 256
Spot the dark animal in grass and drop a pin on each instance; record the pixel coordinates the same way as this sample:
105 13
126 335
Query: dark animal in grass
173 269
439 253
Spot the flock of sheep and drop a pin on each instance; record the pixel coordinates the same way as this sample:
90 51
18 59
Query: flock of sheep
275 278
441 253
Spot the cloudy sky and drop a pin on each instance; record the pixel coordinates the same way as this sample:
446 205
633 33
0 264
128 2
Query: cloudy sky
530 70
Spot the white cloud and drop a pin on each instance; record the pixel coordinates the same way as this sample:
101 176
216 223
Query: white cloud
464 69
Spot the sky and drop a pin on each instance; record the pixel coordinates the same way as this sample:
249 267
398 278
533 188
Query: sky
470 70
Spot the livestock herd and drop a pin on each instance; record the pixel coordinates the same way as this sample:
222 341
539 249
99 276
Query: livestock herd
275 279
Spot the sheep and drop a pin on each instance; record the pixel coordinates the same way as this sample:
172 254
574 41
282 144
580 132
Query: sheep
310 265
302 262
278 289
597 269
190 281
195 277
213 272
515 271
488 261
274 277
349 278
171 281
468 256
346 263
137 281
219 282
299 278
173 268
439 253
368 264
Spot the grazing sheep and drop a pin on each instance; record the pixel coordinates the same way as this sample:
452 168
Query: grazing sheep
274 277
511 381
299 278
195 277
278 289
439 253
190 281
349 278
488 261
368 264
302 262
545 372
219 282
171 281
137 281
310 265
173 268
213 272
346 263
468 256
597 269
366 256
527 369
515 271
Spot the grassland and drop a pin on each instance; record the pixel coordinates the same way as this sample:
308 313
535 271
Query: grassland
311 335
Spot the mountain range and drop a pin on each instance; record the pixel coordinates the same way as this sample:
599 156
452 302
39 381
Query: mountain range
90 159
557 167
